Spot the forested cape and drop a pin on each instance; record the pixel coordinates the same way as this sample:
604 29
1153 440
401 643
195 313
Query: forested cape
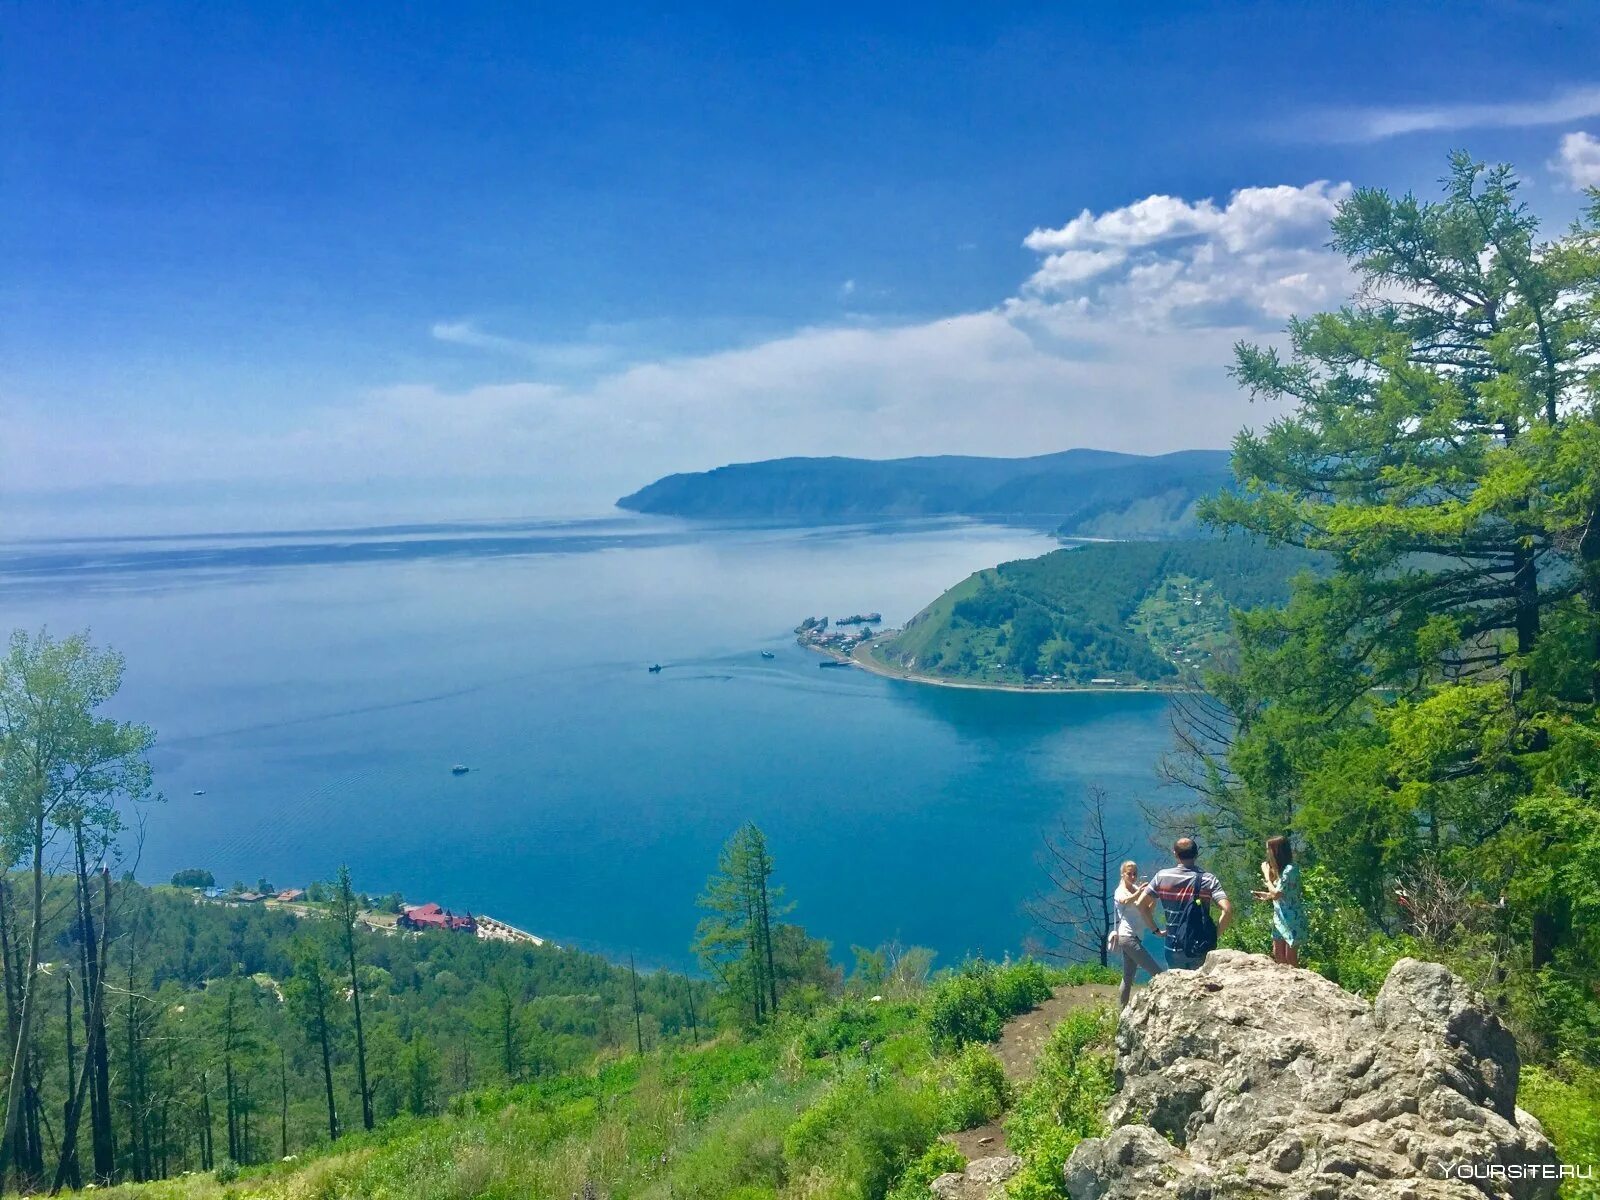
1150 612
1088 493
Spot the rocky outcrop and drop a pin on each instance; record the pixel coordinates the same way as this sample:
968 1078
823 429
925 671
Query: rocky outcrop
984 1179
1247 1078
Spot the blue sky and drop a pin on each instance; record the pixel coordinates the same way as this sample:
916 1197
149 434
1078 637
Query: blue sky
430 248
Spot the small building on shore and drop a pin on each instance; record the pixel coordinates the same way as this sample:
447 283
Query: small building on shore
432 916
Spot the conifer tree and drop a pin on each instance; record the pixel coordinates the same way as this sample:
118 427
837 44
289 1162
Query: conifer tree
346 911
735 940
1433 699
309 995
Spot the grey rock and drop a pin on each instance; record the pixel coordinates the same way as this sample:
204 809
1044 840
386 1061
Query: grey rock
1248 1078
984 1179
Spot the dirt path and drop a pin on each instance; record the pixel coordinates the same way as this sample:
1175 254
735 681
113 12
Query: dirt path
1018 1049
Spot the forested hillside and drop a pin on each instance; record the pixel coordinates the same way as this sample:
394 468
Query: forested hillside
1088 492
216 1017
1134 612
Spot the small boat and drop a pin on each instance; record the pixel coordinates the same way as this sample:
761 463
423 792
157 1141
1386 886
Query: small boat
655 669
834 662
199 792
459 769
768 654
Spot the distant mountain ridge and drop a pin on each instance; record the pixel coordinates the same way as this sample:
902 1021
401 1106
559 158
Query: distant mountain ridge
1092 493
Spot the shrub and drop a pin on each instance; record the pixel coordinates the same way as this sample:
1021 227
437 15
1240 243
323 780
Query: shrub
1566 1099
961 1009
714 1074
1020 986
863 1134
1077 974
977 1089
843 1028
1559 1012
1343 946
972 1005
1064 1104
938 1159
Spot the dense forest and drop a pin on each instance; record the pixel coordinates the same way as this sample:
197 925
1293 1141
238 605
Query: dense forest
1151 612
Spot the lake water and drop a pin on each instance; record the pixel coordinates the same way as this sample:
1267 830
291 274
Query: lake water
319 686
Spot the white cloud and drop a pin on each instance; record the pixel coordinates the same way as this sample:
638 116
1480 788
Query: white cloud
552 355
1373 124
1069 267
1164 260
1257 216
1121 339
1578 160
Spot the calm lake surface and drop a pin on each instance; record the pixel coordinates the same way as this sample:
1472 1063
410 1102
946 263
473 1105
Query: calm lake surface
319 686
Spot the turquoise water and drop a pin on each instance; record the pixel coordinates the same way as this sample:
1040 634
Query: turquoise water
319 686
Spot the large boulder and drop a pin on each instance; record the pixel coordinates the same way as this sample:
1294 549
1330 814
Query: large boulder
1249 1078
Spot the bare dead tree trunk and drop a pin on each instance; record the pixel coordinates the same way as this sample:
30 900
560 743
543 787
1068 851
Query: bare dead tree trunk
1079 858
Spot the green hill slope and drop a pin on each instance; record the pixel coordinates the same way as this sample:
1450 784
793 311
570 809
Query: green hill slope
1087 492
844 1097
1136 612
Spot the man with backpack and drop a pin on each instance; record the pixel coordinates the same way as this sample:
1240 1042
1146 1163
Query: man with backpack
1186 894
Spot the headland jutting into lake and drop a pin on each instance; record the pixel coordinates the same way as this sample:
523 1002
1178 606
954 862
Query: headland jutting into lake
850 641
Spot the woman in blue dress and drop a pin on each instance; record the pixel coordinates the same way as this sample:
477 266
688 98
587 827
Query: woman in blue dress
1288 904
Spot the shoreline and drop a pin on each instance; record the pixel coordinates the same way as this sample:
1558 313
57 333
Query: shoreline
861 656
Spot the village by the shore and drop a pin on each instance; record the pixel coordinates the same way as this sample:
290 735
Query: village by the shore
393 915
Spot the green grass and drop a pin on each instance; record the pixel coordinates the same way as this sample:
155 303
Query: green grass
844 1103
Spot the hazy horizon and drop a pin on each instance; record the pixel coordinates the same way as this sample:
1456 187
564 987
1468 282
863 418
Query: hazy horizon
255 249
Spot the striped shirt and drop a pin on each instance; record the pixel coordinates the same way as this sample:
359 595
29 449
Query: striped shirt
1176 888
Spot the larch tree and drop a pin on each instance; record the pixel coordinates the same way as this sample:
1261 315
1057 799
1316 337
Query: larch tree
740 940
62 766
1433 698
346 911
309 995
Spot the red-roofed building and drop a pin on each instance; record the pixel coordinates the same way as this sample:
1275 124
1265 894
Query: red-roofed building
291 895
431 916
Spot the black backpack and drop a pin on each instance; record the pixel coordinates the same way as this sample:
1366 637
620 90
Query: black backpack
1192 932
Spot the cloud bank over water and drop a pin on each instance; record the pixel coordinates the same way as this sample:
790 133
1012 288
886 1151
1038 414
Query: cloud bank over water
1119 338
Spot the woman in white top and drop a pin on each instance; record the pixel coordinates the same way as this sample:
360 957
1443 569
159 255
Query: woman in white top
1134 906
